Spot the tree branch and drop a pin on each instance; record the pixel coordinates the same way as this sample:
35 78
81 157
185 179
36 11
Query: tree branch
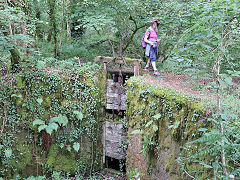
130 39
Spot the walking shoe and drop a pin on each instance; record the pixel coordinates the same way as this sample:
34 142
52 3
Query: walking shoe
146 69
157 73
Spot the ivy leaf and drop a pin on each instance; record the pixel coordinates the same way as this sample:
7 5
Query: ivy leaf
69 148
78 114
149 123
141 91
13 95
137 131
76 146
155 128
42 127
54 119
61 145
222 83
53 126
157 116
8 153
49 130
39 100
62 120
38 122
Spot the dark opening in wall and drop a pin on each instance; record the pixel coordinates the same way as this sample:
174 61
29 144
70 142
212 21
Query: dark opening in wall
120 114
116 164
125 76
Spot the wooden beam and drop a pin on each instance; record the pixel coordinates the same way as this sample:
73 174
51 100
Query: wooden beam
136 68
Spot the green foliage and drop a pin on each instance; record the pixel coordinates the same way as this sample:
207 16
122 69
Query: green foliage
134 174
211 34
76 146
62 102
61 161
36 178
162 117
195 36
209 155
78 114
53 124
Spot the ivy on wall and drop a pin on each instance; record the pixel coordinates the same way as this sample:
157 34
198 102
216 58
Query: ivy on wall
47 114
179 134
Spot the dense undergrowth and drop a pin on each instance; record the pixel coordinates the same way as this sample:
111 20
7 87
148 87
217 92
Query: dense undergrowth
50 107
50 121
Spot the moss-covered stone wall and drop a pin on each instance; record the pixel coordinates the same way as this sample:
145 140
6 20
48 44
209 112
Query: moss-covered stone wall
38 96
160 122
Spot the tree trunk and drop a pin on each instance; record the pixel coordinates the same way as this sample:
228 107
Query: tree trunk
221 124
39 33
131 38
62 25
52 15
68 19
15 59
49 38
11 32
219 107
24 32
15 55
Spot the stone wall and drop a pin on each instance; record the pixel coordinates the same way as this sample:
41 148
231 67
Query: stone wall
40 95
160 122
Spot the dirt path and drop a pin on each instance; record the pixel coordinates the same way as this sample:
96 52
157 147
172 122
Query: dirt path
182 83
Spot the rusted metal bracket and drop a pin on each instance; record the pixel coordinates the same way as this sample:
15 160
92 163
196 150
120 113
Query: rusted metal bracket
120 81
113 76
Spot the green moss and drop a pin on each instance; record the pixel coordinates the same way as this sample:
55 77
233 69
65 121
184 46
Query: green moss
61 161
101 84
20 82
22 154
23 113
19 99
144 101
47 102
46 115
57 93
131 60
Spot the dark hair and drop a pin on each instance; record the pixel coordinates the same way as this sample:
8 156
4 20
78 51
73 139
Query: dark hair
153 21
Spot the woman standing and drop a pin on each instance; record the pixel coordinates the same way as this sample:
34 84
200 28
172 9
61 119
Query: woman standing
151 50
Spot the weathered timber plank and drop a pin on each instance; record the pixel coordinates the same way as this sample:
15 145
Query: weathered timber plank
136 68
114 136
123 70
114 99
122 105
118 60
110 124
115 107
114 90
